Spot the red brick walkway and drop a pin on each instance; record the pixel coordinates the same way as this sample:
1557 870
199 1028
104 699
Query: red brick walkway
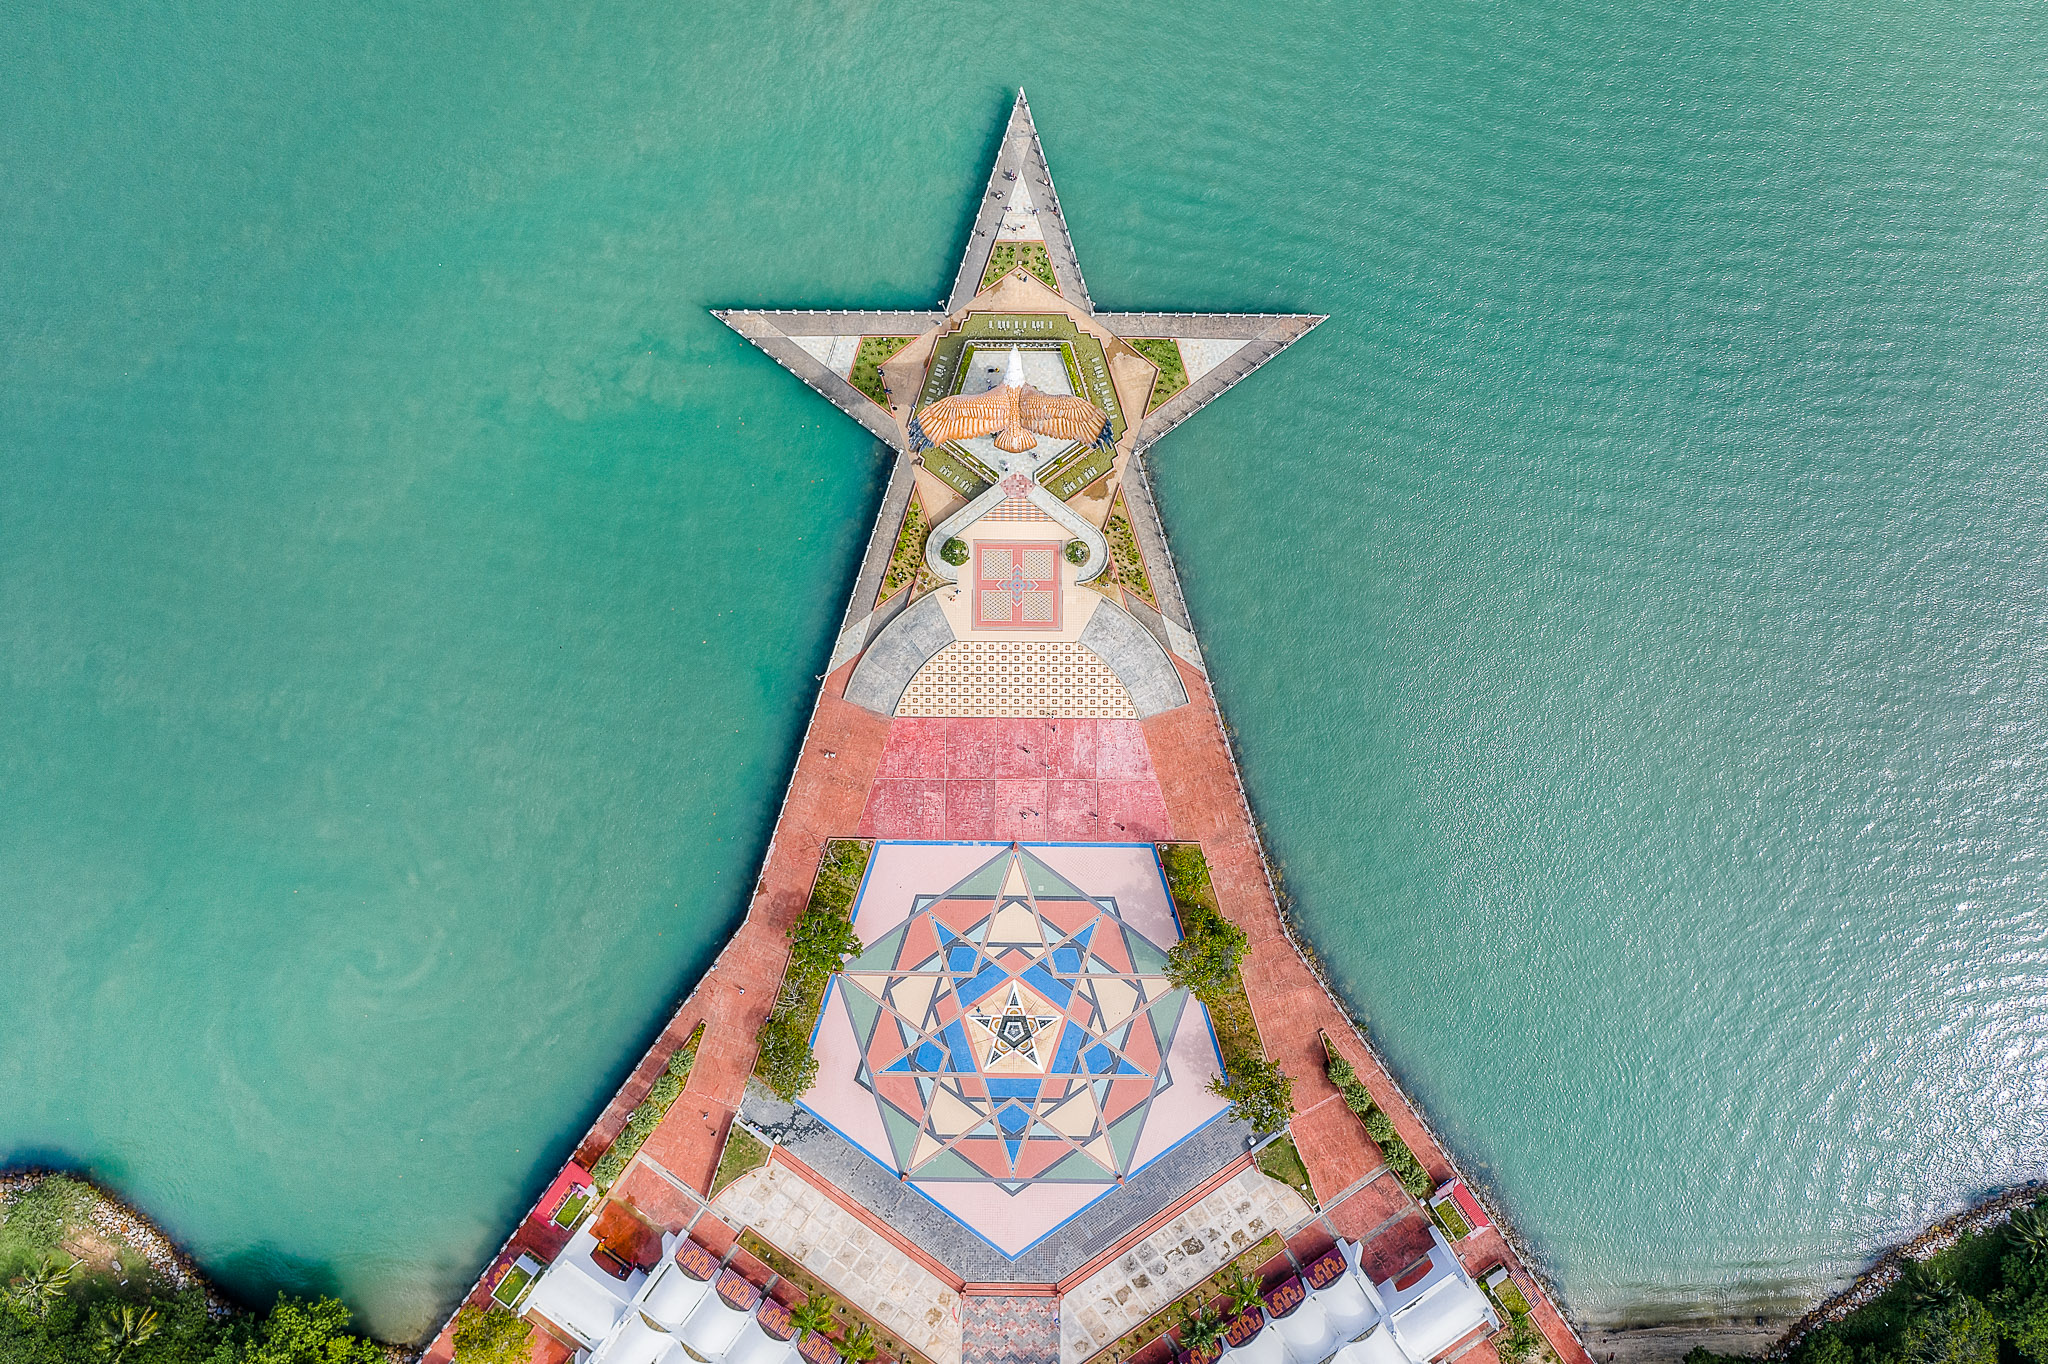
1066 780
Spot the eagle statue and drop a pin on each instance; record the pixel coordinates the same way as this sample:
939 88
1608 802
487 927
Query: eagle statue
1015 413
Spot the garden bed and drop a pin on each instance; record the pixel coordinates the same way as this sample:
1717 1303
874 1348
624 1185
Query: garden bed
1281 1159
1164 353
640 1124
1163 1321
819 943
813 1287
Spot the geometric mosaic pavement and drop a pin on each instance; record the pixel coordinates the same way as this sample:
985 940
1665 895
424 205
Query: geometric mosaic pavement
1012 1034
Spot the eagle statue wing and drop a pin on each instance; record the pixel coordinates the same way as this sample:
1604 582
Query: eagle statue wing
1065 418
960 417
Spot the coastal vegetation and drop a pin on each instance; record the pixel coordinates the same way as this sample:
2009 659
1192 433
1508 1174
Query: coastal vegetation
1164 353
1982 1300
1205 964
640 1124
819 943
874 352
1400 1159
75 1290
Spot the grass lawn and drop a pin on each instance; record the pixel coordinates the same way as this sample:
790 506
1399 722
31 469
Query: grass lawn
1452 1218
1007 256
1506 1295
957 472
743 1152
1282 1160
1173 375
512 1285
572 1208
874 352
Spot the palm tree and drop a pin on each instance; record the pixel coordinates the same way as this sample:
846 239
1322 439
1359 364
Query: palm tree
1928 1284
37 1291
2029 1232
126 1329
813 1314
1241 1288
1199 1329
859 1346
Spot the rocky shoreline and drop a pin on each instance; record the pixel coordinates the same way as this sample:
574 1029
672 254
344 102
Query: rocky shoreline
125 1227
1872 1283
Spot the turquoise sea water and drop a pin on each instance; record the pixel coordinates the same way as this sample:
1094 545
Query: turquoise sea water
1632 606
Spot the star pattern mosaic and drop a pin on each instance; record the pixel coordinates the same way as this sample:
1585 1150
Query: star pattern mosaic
1013 1029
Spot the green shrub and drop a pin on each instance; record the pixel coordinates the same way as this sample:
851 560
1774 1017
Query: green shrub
495 1336
1400 1160
1521 1342
786 1062
1260 1093
1205 960
1077 553
954 551
642 1121
819 943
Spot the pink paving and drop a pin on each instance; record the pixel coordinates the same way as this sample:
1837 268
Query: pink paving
1058 780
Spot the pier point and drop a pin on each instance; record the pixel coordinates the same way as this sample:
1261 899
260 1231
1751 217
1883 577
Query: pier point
1015 1056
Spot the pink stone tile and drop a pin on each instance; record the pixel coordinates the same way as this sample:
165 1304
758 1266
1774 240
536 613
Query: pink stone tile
971 747
1026 747
1120 749
1019 808
905 807
1071 809
1073 749
916 748
970 807
1132 811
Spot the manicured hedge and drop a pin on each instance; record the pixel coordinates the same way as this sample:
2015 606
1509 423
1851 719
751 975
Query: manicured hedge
1378 1125
642 1121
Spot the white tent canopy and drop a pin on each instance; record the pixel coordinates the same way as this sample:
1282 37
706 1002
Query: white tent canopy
671 1295
638 1341
1350 1305
1307 1332
1378 1347
576 1302
756 1346
1451 1309
713 1327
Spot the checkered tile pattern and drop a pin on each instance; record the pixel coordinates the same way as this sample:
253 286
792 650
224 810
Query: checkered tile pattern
1017 677
1016 586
